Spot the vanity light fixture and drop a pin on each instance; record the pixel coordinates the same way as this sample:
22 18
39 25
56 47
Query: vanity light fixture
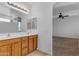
18 7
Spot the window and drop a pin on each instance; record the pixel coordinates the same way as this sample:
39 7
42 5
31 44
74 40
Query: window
4 20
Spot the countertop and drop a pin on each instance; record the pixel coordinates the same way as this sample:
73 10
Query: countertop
5 36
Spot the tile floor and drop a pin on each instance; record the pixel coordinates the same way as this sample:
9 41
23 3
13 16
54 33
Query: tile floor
37 53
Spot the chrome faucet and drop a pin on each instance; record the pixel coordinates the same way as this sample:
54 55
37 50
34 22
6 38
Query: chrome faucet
8 34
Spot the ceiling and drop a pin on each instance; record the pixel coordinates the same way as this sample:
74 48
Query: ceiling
66 7
58 4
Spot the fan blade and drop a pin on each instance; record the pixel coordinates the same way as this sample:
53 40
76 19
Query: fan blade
66 16
73 14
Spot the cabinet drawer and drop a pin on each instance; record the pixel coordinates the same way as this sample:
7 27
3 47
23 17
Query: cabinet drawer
25 38
33 36
15 40
4 42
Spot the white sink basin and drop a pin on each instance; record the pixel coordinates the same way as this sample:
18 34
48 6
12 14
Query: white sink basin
11 35
4 36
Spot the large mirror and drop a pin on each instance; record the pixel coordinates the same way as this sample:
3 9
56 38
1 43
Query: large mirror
12 20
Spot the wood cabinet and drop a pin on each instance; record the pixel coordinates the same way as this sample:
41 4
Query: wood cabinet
32 43
35 42
25 46
5 50
16 49
18 46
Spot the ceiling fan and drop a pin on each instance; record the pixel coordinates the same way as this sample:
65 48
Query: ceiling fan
62 16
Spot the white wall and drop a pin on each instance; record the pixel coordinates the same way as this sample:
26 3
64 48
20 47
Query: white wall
68 27
43 12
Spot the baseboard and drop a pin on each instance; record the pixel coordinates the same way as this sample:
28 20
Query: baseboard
44 52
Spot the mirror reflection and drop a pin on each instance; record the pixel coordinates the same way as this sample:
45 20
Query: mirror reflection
12 20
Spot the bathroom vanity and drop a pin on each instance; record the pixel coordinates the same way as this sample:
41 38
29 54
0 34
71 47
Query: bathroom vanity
17 38
18 46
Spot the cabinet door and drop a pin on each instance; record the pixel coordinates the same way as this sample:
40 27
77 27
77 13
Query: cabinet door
31 44
24 51
25 46
16 49
5 50
35 42
25 42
